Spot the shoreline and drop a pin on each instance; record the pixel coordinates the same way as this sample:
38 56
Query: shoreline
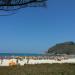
22 60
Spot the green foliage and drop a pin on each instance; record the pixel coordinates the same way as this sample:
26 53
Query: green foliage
63 48
39 69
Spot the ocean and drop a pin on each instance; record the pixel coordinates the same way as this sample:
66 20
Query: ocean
20 54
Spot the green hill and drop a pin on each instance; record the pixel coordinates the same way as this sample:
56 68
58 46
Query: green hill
63 48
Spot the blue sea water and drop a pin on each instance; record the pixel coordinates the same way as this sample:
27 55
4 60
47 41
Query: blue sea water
20 54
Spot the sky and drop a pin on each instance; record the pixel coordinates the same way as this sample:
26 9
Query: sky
34 30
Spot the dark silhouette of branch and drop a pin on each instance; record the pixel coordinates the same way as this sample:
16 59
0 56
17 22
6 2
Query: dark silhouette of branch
9 3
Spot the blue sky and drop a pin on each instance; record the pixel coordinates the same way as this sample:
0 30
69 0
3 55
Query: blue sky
34 30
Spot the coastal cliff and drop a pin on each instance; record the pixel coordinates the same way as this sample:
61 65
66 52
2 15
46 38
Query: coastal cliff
63 48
